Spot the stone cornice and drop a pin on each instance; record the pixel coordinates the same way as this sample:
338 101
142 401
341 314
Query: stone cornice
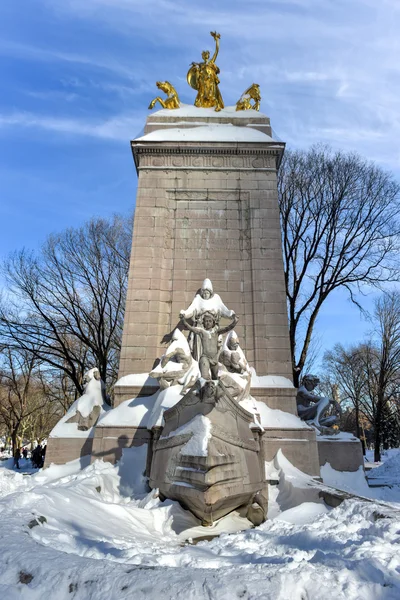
207 158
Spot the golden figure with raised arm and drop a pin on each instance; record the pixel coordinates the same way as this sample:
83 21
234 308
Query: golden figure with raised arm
203 77
172 100
252 93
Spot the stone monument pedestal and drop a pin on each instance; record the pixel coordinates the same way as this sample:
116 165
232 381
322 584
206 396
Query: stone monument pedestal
343 452
207 207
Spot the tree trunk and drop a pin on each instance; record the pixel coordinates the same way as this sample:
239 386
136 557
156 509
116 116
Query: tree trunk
377 435
377 449
296 378
359 433
14 440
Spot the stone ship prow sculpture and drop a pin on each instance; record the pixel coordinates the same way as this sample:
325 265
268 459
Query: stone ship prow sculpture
208 455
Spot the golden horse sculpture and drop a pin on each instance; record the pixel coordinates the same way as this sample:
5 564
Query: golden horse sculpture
172 101
252 93
203 77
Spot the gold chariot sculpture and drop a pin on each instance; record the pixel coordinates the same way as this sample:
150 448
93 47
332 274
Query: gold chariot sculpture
203 77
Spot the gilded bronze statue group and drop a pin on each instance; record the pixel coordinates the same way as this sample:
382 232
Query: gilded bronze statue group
203 77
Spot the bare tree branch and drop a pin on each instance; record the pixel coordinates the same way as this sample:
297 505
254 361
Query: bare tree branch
340 229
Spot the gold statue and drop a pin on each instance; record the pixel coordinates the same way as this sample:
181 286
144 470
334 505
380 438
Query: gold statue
203 77
252 93
172 101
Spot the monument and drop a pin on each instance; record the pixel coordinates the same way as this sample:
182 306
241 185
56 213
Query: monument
217 402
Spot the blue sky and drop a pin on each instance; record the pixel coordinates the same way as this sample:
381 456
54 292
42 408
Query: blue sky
77 77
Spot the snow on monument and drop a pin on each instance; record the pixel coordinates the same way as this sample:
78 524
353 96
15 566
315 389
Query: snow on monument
214 408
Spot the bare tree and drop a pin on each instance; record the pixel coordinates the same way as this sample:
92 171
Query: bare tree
368 375
66 305
20 392
382 365
340 229
346 367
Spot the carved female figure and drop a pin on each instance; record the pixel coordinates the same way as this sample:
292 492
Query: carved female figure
203 77
205 301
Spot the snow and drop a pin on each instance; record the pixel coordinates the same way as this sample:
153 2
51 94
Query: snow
295 487
273 418
131 413
302 514
357 483
188 110
99 543
145 411
206 133
268 381
93 395
385 455
340 436
389 470
70 430
165 399
140 379
213 304
131 470
200 428
348 481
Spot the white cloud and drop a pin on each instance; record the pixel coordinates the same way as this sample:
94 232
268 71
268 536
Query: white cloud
118 128
35 53
328 70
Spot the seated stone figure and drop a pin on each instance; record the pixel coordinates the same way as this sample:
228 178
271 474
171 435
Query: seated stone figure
232 356
209 335
312 408
235 370
176 366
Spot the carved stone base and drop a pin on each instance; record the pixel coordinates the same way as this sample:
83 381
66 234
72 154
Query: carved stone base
274 397
279 398
342 455
108 442
61 450
127 392
298 445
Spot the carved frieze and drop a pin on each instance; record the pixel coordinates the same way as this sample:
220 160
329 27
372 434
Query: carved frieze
150 160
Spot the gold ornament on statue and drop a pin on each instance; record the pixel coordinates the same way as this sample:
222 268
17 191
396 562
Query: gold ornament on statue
172 101
203 77
252 93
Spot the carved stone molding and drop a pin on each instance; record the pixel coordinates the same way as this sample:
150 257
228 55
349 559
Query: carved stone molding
191 159
234 440
209 195
176 440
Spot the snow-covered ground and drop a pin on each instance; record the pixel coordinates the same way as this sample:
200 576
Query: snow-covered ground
105 538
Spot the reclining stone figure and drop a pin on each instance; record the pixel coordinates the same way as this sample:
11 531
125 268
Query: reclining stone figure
312 408
176 366
235 370
87 409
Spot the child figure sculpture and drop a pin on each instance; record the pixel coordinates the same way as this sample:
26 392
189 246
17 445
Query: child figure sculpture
209 334
205 301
